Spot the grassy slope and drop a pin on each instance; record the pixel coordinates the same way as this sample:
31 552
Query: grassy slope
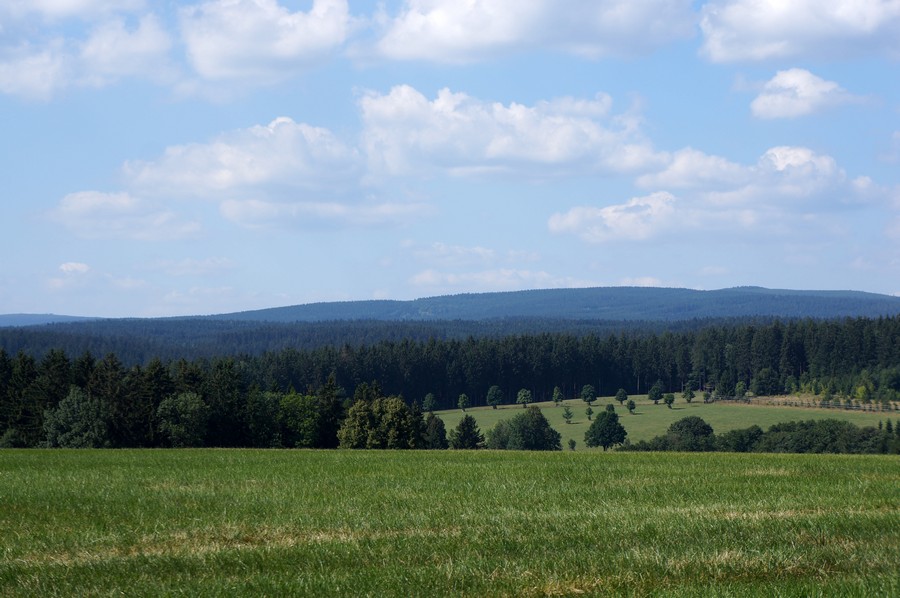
651 420
215 522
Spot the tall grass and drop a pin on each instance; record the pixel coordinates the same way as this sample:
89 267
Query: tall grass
217 522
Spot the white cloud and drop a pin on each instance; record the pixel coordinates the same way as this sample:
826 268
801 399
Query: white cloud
641 281
41 69
690 168
771 29
455 254
447 255
96 215
74 268
113 51
281 154
637 219
406 133
504 279
454 31
35 73
74 274
60 9
260 40
781 174
797 92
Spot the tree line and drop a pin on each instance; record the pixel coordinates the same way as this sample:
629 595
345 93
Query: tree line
812 436
854 359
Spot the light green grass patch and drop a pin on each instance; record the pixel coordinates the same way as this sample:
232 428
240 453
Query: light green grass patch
651 420
461 523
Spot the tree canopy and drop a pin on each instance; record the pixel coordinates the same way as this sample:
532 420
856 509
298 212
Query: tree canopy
605 431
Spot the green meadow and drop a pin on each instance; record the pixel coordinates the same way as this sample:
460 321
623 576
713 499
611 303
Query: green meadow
446 523
649 420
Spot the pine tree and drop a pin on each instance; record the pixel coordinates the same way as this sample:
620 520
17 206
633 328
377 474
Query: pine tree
466 434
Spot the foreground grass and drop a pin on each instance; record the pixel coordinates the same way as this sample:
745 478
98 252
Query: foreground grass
651 420
208 522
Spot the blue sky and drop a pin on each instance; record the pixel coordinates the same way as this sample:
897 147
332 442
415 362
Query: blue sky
186 157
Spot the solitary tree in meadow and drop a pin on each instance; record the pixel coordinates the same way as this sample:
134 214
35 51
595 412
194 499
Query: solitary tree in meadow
589 412
588 394
567 414
605 431
463 401
558 396
631 405
524 397
668 399
656 393
621 396
494 396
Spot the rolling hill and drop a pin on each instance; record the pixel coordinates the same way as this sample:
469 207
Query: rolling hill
602 303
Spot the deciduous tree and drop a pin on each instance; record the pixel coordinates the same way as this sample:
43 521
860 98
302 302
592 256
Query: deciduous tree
605 431
524 397
494 396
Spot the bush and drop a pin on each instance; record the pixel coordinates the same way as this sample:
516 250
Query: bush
528 431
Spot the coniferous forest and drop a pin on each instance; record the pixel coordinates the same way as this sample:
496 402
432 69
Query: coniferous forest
293 397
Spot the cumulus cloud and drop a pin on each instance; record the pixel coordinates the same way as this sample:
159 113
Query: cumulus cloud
97 215
761 30
637 219
405 132
782 174
797 92
689 168
260 40
113 51
35 73
452 31
40 69
282 154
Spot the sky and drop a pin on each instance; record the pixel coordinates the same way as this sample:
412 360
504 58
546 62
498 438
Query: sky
186 157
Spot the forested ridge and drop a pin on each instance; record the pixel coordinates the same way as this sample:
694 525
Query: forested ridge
138 341
853 359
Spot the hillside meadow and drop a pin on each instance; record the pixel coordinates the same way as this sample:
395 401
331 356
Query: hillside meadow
649 420
441 523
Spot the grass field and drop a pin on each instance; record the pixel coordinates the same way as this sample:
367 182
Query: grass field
461 523
651 420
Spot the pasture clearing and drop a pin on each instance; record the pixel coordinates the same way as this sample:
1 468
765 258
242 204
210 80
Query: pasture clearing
651 420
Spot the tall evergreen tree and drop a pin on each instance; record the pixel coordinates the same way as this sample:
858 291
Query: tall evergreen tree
466 434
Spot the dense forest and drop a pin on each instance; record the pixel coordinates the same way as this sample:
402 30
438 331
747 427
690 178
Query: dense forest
139 341
853 360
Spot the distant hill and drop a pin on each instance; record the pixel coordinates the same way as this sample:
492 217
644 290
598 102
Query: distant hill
604 303
36 319
598 311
